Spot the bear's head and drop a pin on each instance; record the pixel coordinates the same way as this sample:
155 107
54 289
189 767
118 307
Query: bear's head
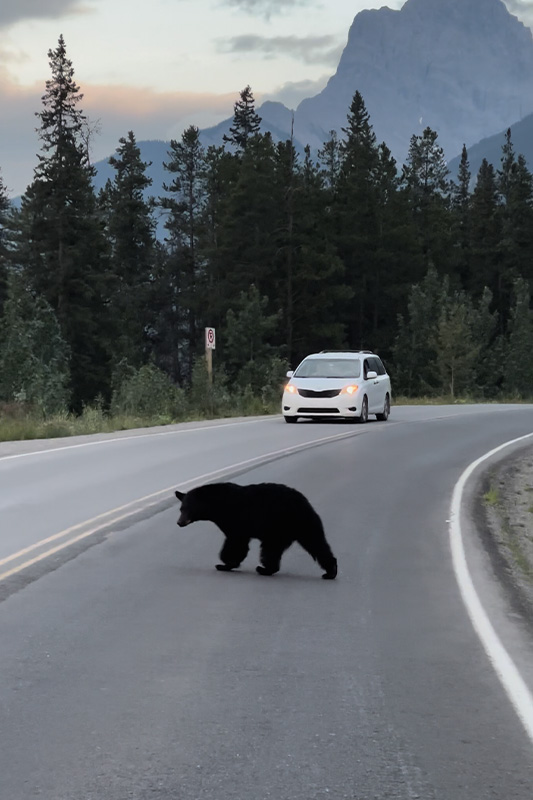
187 509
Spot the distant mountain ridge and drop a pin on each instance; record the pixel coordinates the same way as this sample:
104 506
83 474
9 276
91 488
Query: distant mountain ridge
463 67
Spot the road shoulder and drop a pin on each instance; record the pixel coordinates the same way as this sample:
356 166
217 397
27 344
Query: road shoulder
505 510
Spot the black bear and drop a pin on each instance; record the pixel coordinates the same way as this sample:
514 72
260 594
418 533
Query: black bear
271 512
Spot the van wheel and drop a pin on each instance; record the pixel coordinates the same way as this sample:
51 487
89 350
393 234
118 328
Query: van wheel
291 419
364 411
386 411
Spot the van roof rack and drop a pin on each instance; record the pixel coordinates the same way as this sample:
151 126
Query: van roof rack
347 351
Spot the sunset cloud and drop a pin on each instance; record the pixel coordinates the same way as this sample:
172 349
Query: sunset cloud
116 109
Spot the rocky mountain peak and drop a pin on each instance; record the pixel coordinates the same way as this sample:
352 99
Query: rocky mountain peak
463 67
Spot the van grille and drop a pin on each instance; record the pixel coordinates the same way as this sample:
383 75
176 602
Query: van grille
326 393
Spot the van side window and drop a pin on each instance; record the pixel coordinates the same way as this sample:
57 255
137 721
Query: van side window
380 369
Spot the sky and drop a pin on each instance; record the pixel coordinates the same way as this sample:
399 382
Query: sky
156 68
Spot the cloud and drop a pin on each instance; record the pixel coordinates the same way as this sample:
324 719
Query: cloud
12 11
309 49
266 8
292 93
523 9
117 109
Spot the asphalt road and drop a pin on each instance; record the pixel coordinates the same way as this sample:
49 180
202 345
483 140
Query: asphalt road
130 668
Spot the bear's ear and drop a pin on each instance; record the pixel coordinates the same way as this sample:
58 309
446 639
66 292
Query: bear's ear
180 495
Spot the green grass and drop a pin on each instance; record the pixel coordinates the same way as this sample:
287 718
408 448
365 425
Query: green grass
18 423
492 497
26 426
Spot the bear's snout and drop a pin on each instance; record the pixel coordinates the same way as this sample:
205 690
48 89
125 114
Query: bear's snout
183 521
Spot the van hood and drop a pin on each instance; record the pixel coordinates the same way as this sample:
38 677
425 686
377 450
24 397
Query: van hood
322 384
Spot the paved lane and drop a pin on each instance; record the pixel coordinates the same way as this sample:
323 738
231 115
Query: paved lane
47 490
136 670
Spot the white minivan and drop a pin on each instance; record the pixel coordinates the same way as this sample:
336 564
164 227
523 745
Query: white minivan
347 384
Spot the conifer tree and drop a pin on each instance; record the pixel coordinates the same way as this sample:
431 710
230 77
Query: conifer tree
34 357
356 213
425 177
310 276
329 158
60 242
130 232
485 237
518 362
4 208
460 203
246 121
252 216
185 261
247 335
415 347
456 348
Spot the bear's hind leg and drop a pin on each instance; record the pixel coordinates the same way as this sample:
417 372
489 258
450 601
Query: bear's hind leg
319 549
233 553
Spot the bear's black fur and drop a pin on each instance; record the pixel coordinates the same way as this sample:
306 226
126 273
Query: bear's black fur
271 512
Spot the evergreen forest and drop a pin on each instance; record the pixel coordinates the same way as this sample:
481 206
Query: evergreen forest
284 253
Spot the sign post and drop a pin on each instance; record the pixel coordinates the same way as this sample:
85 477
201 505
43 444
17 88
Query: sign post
210 344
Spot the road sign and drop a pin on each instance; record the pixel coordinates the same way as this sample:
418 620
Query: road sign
210 339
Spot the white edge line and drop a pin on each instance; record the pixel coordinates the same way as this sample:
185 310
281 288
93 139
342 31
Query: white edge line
505 668
144 502
129 438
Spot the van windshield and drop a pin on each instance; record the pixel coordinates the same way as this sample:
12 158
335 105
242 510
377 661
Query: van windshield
329 368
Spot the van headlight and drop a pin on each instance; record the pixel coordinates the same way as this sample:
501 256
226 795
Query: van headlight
350 389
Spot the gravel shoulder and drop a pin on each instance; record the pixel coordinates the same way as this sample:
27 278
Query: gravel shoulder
506 508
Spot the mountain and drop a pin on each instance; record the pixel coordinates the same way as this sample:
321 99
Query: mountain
463 67
491 148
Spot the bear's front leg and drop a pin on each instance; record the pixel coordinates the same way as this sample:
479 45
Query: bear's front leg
233 553
270 558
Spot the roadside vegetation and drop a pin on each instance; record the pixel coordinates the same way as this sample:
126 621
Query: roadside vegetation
104 296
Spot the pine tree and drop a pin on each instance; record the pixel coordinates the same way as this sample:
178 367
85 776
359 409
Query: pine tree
329 158
252 217
246 122
221 171
518 361
60 243
130 232
488 368
356 213
34 357
247 332
310 283
456 348
415 347
4 208
517 212
485 237
397 263
460 203
185 261
425 177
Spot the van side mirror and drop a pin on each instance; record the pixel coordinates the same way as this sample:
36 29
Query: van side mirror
371 375
290 373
